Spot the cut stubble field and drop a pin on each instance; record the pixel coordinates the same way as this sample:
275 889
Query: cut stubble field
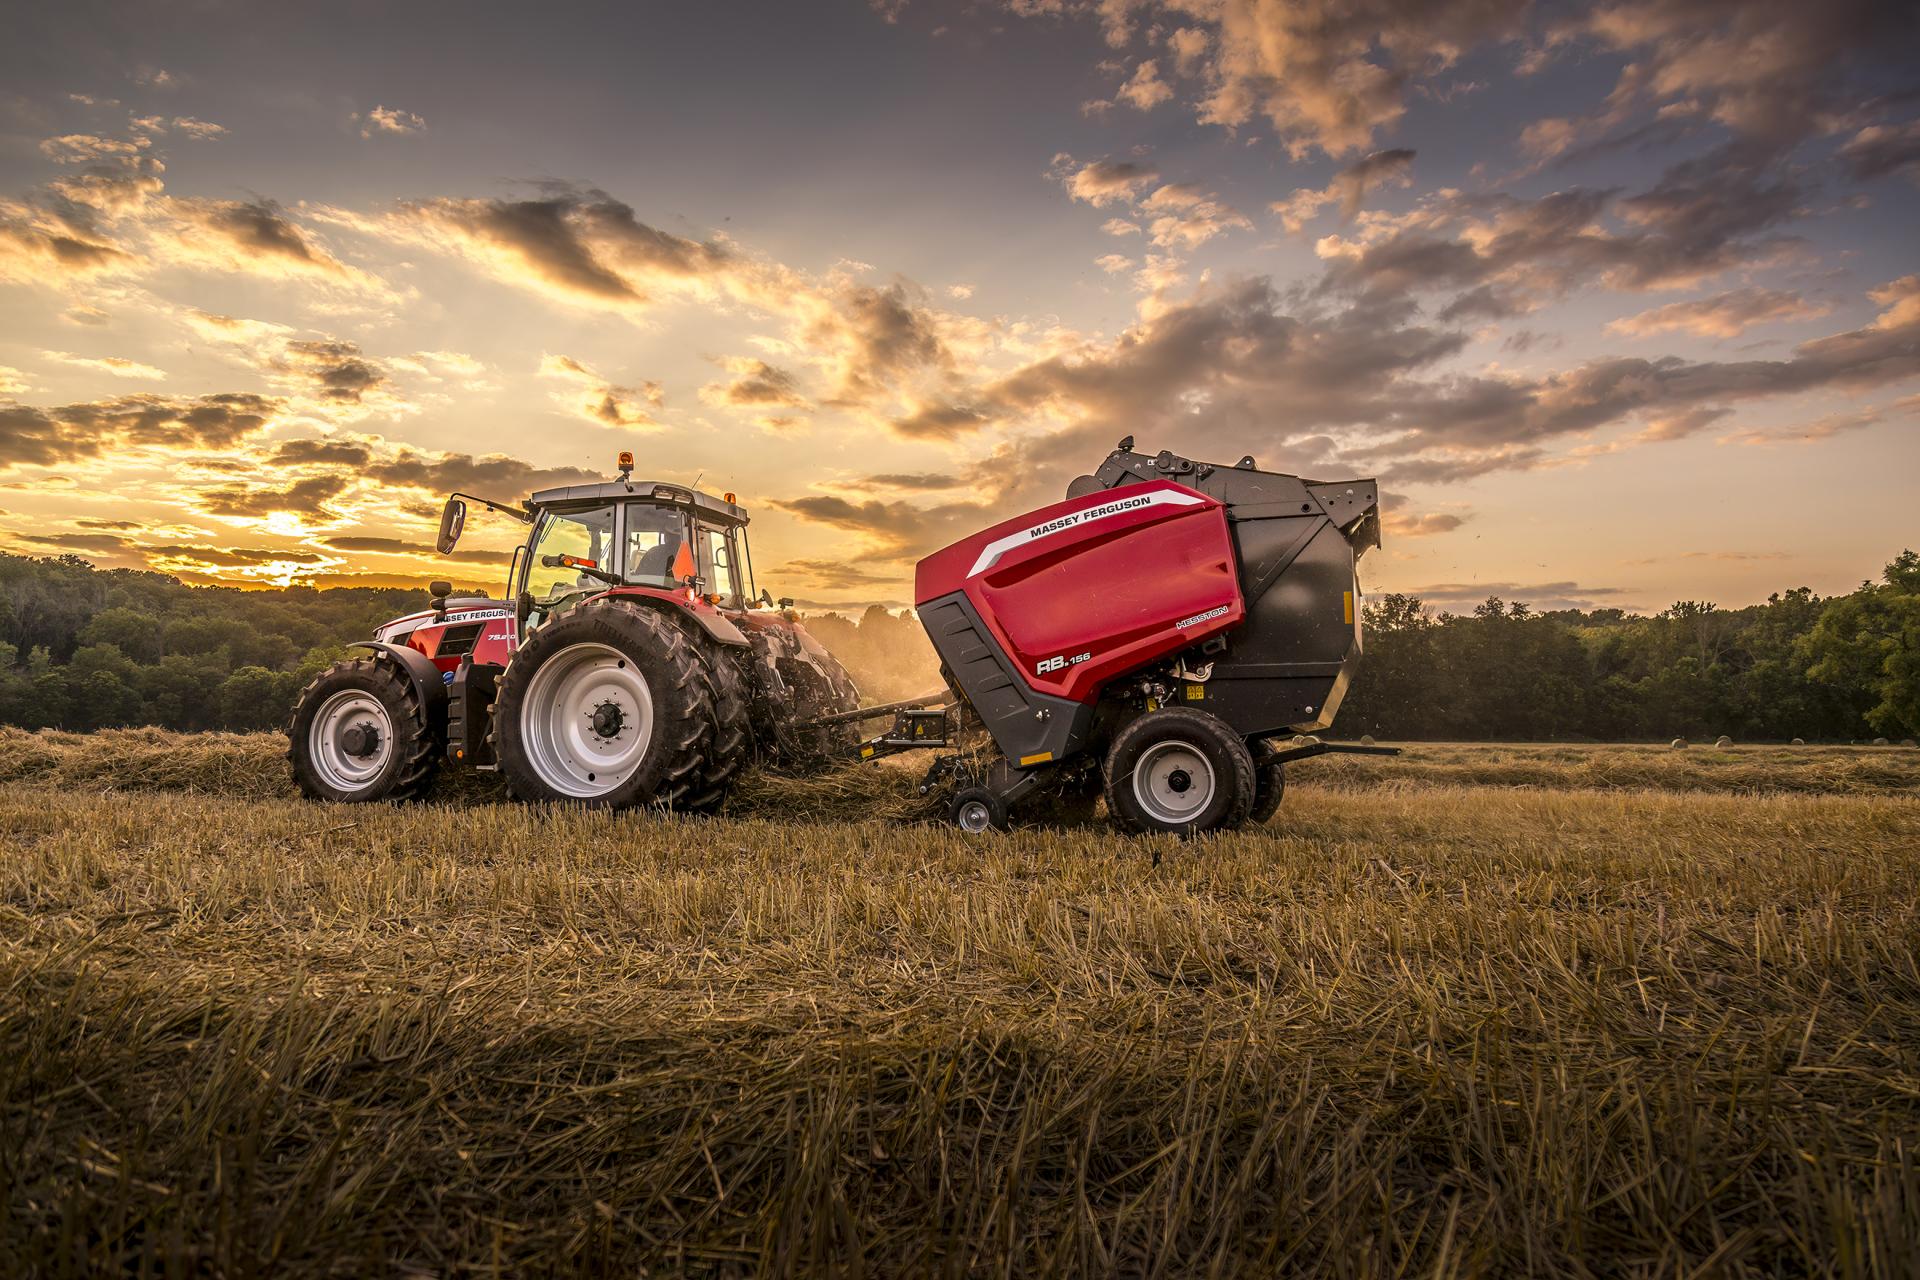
1577 1010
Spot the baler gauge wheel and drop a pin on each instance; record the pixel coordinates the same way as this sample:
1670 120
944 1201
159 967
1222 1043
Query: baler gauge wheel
976 810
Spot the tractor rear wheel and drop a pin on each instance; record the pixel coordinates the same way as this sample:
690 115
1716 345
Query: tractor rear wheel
730 749
1179 771
361 732
605 706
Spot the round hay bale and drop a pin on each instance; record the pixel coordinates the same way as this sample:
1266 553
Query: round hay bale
1799 742
1678 744
1366 739
1723 741
1879 742
1907 742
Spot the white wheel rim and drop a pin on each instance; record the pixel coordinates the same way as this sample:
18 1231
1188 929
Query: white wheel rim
344 722
1173 782
565 721
975 817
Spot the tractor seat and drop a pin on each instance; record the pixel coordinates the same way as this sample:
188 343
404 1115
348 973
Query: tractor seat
658 561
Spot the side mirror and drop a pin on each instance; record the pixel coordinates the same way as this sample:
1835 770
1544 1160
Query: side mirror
453 518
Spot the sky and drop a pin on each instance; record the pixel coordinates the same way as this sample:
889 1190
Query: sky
1620 302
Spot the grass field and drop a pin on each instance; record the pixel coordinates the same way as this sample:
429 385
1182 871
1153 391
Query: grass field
1573 1010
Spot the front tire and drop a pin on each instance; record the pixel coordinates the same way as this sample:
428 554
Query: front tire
360 732
1179 771
607 706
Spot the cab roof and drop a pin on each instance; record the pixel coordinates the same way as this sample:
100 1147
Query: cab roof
656 492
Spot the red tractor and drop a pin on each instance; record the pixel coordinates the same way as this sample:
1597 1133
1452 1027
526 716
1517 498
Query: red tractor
1152 639
630 663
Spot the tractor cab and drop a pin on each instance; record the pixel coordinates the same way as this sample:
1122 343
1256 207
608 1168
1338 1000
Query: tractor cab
587 538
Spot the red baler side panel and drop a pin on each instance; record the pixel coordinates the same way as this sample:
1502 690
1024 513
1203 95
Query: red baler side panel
1086 590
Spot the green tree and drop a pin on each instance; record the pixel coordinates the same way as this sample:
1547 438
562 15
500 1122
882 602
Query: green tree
1868 644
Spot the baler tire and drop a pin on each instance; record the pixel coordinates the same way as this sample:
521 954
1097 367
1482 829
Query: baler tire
413 754
1270 784
730 749
675 755
978 810
1229 764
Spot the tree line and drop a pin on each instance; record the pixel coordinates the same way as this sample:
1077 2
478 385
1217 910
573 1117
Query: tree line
84 648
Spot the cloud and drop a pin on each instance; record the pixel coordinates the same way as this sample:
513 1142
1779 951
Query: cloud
254 236
1145 89
1539 595
1701 218
1349 188
334 370
1725 315
576 245
365 545
754 384
1879 150
388 121
1102 182
47 437
600 401
82 314
113 366
12 381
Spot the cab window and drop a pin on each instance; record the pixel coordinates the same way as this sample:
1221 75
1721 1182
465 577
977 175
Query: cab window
585 535
654 538
717 564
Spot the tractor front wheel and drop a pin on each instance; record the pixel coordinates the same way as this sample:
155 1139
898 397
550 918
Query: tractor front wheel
361 732
606 706
1179 771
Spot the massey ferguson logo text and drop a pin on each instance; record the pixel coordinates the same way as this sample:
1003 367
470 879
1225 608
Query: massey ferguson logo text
991 553
1091 513
1199 618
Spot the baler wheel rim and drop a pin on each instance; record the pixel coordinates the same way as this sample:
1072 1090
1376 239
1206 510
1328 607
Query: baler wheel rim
1229 762
1173 781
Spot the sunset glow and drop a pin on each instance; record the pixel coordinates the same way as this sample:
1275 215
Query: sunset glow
1621 302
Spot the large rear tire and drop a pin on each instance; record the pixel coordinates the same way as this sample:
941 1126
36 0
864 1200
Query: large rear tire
1179 771
730 748
360 732
608 707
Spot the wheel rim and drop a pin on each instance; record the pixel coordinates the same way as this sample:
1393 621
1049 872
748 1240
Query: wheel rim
350 740
587 720
974 817
1173 782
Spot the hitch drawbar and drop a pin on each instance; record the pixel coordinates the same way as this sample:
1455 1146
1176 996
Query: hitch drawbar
1283 754
915 724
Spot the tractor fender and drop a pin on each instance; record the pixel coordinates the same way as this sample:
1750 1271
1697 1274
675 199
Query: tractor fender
710 619
722 630
426 678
